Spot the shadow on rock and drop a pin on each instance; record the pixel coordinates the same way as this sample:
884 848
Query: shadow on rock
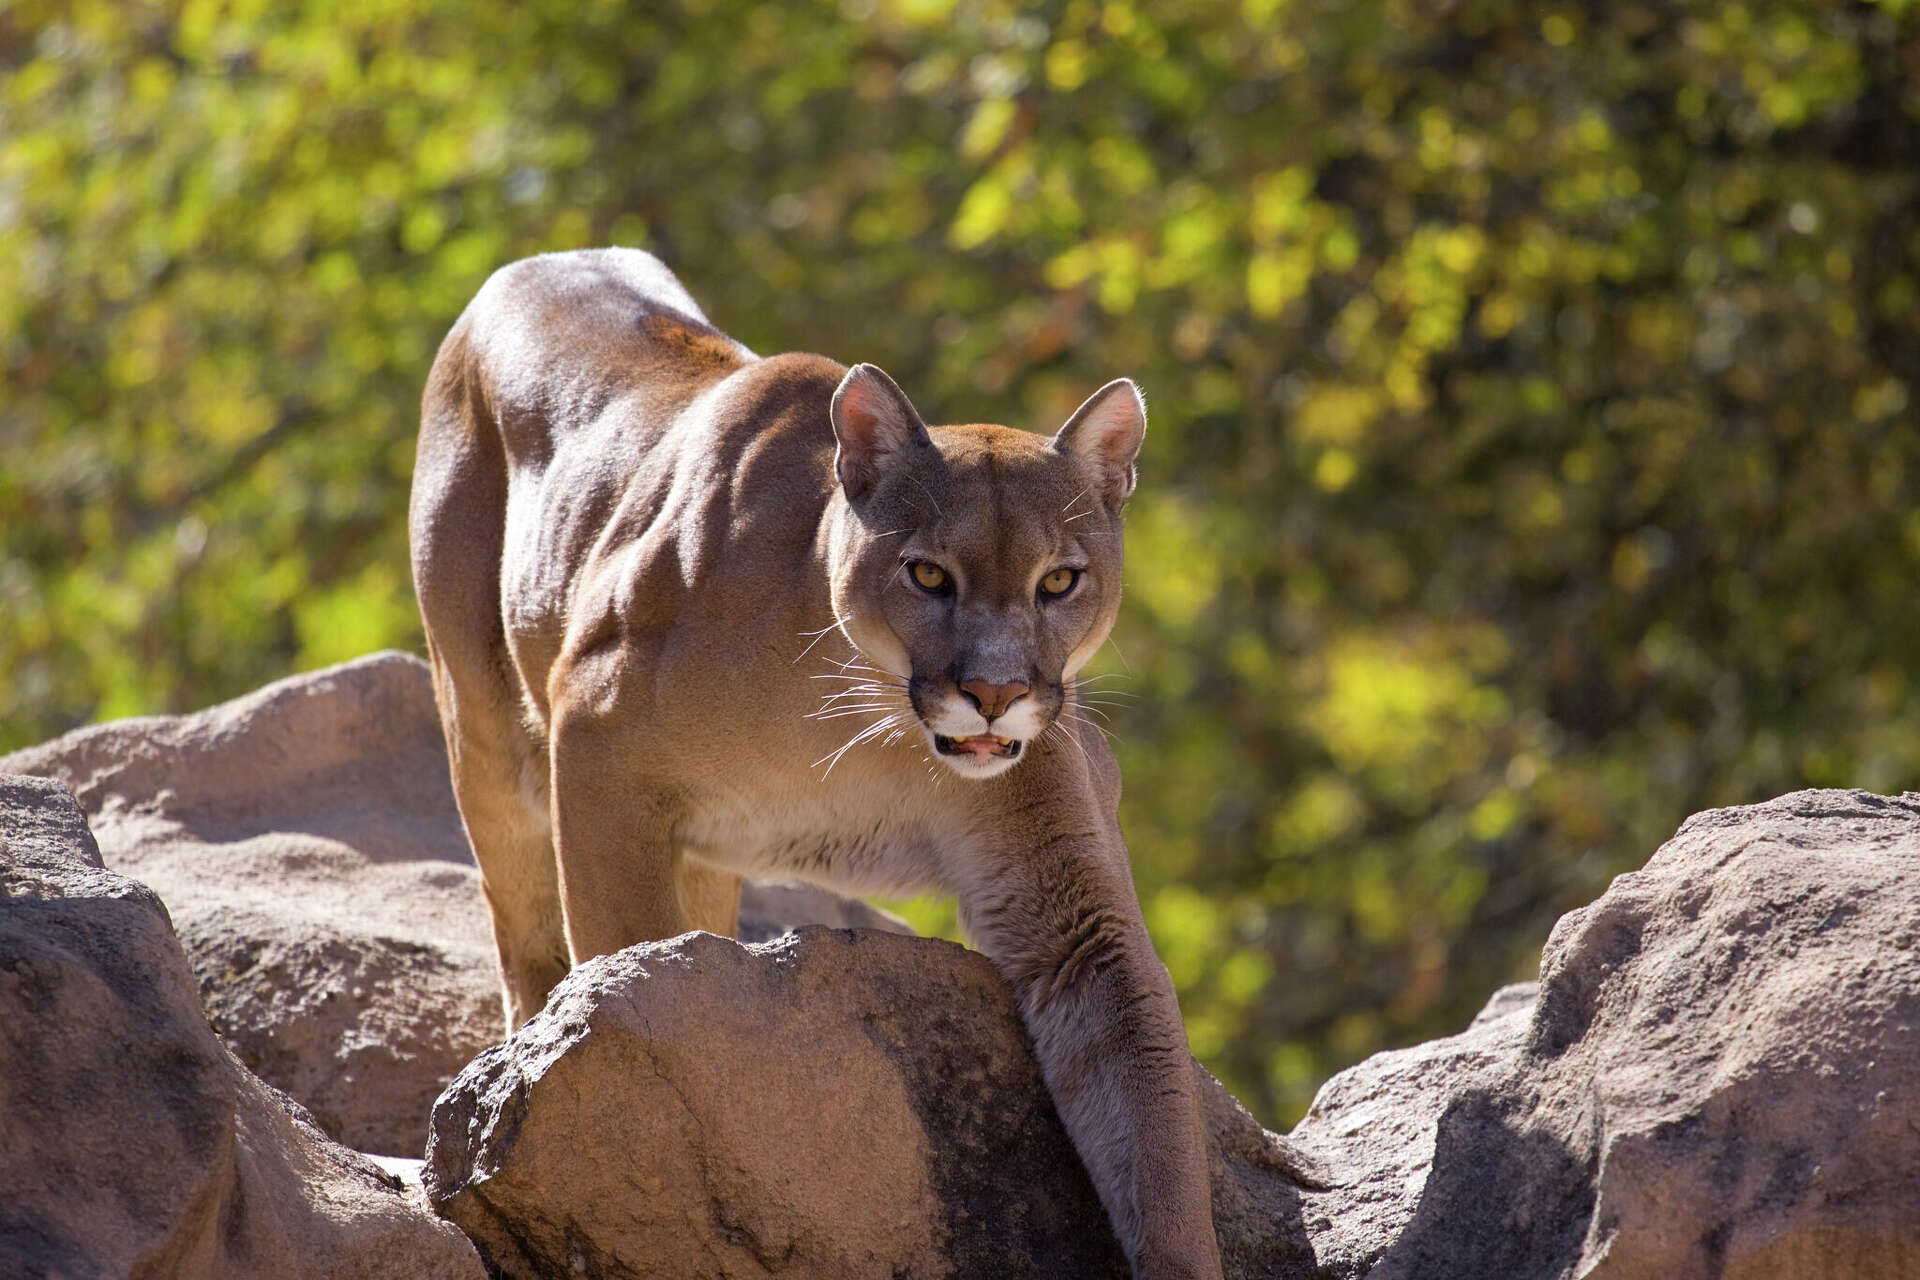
1505 1198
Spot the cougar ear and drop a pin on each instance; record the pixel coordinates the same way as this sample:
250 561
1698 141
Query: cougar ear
872 421
1106 431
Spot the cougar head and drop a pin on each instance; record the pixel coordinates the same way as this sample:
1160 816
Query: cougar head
979 565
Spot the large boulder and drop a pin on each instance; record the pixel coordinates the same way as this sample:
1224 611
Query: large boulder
135 1142
840 1103
306 841
1718 1074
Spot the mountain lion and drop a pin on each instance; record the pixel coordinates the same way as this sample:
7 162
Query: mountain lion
696 615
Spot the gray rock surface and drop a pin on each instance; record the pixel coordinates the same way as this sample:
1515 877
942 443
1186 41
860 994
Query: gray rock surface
134 1142
1718 1075
305 839
839 1103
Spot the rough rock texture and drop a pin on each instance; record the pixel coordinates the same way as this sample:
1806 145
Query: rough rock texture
1718 1075
839 1103
306 841
134 1143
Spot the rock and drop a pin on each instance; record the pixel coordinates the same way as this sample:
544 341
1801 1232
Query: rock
306 841
135 1142
1718 1075
838 1103
1374 1128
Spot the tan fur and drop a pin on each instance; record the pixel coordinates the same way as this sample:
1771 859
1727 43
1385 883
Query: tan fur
636 545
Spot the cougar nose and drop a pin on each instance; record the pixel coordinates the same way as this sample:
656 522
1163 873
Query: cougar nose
992 699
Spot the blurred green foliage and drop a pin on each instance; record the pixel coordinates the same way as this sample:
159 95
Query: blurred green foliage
1533 457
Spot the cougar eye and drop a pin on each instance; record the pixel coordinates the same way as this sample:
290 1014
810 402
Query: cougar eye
1059 582
930 576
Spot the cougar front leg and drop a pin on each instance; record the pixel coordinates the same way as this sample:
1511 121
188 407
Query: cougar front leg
710 898
613 840
1060 920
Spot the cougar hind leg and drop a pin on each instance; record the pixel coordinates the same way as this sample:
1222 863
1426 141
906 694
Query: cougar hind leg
457 524
513 840
499 782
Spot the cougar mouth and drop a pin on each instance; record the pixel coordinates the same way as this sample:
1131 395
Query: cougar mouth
979 745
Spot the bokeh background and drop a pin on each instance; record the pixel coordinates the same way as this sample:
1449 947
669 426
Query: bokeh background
1532 458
